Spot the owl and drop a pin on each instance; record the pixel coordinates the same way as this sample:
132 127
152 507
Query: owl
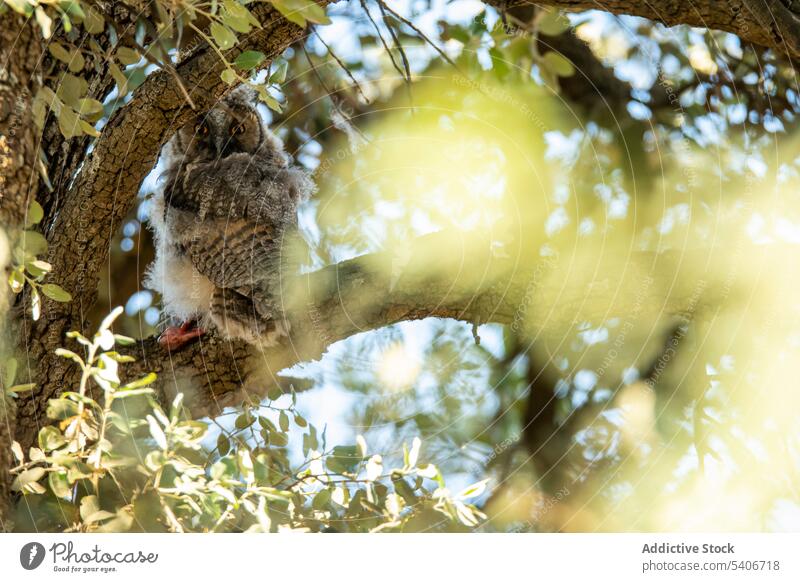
227 200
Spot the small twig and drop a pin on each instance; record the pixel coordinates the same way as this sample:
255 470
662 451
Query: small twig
475 335
163 65
326 89
396 40
421 34
341 64
383 40
402 52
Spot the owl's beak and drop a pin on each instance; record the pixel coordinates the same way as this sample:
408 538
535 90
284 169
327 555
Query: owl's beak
220 145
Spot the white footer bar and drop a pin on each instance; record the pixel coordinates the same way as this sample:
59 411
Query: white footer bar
465 557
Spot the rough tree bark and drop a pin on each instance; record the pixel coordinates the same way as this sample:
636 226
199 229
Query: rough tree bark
86 208
20 51
105 190
770 23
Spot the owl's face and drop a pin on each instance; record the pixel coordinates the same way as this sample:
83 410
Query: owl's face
232 126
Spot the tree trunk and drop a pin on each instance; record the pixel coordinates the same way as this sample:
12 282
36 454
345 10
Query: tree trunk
86 207
20 51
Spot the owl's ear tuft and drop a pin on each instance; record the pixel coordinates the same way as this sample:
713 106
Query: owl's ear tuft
244 93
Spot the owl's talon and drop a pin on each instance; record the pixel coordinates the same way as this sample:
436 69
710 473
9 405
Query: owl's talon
175 337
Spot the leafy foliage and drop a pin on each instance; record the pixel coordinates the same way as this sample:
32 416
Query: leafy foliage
93 38
124 463
29 269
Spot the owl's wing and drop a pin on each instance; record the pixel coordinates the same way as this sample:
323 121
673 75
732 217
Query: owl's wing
242 186
220 189
236 254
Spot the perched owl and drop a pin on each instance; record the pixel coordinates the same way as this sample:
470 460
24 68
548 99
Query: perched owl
227 199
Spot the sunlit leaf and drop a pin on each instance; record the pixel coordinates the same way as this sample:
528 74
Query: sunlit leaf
249 60
50 438
223 36
157 433
56 293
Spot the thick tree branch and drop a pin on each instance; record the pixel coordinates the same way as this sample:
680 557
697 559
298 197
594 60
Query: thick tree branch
20 52
768 23
444 277
105 190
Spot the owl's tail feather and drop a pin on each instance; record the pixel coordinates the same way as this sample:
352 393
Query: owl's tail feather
237 316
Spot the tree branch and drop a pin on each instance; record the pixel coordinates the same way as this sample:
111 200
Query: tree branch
105 190
445 276
767 23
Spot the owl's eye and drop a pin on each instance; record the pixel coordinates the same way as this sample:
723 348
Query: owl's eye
237 129
202 129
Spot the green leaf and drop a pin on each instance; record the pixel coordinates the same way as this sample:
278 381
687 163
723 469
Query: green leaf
33 243
58 483
78 470
344 459
109 319
273 392
313 12
289 12
21 388
157 432
300 11
73 8
238 17
124 340
65 353
58 51
223 444
279 74
76 62
56 293
61 409
93 22
473 490
16 280
322 500
50 438
552 23
119 78
89 108
16 450
89 505
71 90
557 64
278 439
35 214
24 7
88 128
283 421
223 36
10 371
413 454
69 123
26 478
249 60
266 424
244 420
131 393
38 268
127 56
141 382
273 104
36 304
44 21
229 76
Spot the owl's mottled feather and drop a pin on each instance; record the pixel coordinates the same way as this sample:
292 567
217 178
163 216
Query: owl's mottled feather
228 198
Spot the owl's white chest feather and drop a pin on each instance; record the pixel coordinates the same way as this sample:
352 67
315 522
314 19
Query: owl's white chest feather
185 293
